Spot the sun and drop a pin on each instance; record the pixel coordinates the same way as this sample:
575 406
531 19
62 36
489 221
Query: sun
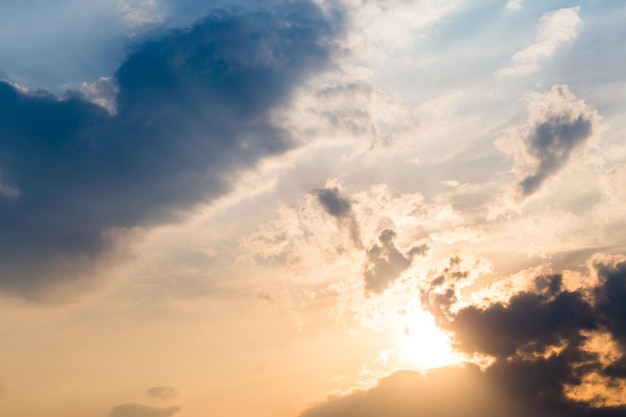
422 345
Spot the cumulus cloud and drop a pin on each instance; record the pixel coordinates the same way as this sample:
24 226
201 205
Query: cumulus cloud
541 341
550 351
558 124
556 29
316 239
140 410
192 110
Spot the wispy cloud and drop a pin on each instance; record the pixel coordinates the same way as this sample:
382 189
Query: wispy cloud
556 29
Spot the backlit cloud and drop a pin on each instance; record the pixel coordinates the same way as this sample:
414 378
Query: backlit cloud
385 262
552 353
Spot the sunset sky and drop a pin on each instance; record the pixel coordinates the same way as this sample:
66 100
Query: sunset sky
312 208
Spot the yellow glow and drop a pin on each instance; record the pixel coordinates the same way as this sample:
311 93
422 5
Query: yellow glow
423 345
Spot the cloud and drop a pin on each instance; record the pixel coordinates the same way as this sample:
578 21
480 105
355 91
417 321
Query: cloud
385 262
513 5
551 352
556 29
448 392
141 12
542 341
340 208
332 202
193 110
140 410
558 124
163 392
102 92
316 246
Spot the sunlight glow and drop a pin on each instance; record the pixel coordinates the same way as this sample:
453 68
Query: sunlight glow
423 345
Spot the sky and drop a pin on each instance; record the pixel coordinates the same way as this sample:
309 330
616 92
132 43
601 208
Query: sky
312 208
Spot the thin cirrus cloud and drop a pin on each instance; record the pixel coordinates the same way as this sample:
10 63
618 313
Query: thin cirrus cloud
550 351
192 110
556 28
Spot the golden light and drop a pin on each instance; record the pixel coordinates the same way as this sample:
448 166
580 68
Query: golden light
422 345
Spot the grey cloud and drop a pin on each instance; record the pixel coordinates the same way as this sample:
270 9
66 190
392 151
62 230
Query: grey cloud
163 392
140 410
332 202
385 262
559 123
537 343
340 208
551 144
440 293
537 339
193 109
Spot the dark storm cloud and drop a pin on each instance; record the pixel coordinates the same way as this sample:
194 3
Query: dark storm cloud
140 410
163 392
192 110
385 262
563 125
538 340
538 345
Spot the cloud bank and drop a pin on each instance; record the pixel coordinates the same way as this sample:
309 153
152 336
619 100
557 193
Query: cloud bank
192 111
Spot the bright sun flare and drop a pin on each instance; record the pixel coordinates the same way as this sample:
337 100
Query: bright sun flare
423 345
